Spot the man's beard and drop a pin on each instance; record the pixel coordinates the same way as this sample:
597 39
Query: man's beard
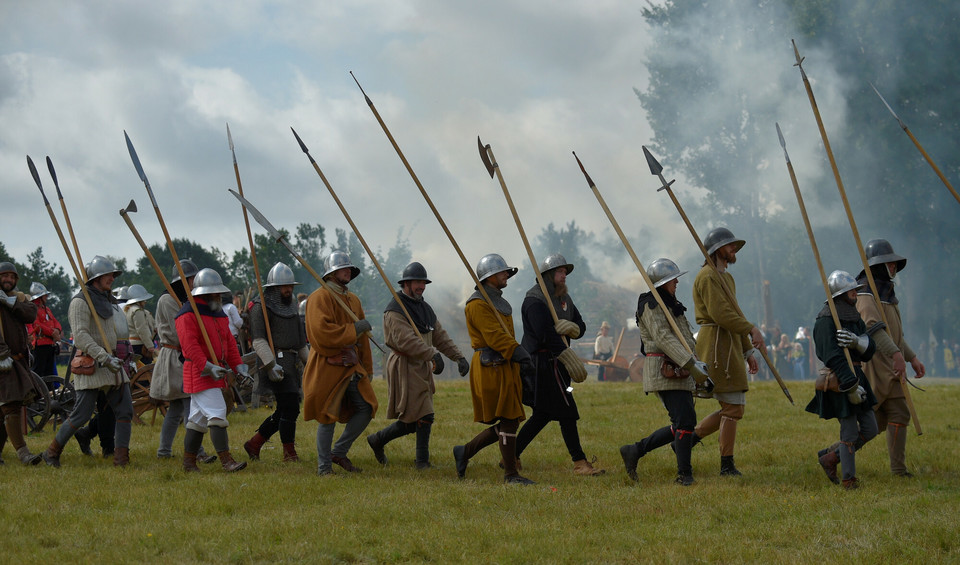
286 299
8 286
215 305
559 289
852 301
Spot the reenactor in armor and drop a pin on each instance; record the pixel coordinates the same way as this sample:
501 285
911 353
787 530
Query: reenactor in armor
411 365
336 381
495 372
45 333
887 371
141 323
282 367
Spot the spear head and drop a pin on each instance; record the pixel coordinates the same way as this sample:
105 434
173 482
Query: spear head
884 100
584 171
230 141
783 143
655 167
53 174
136 165
36 179
485 157
260 218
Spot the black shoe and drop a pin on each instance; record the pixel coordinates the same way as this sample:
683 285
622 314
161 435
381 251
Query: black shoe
460 460
378 452
423 465
518 480
727 468
84 441
685 480
631 456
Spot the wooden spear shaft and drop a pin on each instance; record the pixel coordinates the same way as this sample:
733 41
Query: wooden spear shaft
125 214
66 216
853 226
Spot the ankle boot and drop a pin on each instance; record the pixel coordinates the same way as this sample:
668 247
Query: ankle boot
191 446
253 445
630 454
422 459
829 460
463 453
28 458
290 453
508 450
585 468
727 468
190 463
52 455
228 463
121 456
378 440
852 483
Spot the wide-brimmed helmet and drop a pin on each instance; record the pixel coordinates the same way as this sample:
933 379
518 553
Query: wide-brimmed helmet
492 264
879 252
99 266
137 293
414 272
37 290
555 261
339 260
663 271
718 237
840 282
208 281
280 275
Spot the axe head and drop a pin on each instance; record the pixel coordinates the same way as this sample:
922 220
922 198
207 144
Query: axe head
484 156
131 207
655 167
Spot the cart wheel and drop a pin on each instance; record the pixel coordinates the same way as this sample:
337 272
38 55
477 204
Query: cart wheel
38 410
63 397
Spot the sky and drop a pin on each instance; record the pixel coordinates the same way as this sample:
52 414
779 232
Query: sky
535 80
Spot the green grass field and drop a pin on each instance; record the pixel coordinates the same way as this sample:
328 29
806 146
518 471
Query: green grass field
783 510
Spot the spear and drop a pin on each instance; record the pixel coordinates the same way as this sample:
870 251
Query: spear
657 170
173 251
853 223
66 216
633 255
813 245
253 250
909 133
278 237
423 192
363 242
125 214
81 279
490 162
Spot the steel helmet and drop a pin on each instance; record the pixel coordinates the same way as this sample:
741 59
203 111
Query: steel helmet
663 271
879 251
280 275
339 260
718 237
37 290
492 264
840 282
208 281
553 262
120 293
413 272
136 293
189 270
99 266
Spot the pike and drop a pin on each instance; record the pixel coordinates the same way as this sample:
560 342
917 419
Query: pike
813 245
917 143
66 216
493 168
423 192
125 214
633 255
173 252
363 242
253 251
81 279
278 237
853 223
657 170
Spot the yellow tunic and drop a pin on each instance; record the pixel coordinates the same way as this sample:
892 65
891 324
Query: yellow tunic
496 391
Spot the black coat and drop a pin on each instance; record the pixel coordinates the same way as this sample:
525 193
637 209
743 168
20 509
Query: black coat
547 392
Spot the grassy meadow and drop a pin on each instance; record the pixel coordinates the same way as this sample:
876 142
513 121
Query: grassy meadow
783 510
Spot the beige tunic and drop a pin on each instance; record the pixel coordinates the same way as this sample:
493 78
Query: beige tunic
167 380
409 370
141 324
879 370
87 338
658 337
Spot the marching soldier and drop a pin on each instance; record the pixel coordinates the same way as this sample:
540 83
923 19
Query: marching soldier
141 323
16 310
725 340
281 373
45 333
498 361
888 370
550 393
336 381
408 370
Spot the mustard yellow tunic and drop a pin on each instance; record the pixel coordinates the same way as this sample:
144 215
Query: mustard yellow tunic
496 391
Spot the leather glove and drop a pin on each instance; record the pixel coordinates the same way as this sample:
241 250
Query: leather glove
113 363
275 373
6 364
7 301
362 326
215 372
437 363
573 365
567 328
857 395
522 358
698 370
850 340
463 366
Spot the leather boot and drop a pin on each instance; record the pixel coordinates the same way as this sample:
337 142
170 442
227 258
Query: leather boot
852 483
253 445
190 463
463 453
508 450
28 458
422 459
896 447
52 455
727 468
378 440
228 463
586 469
829 460
13 432
121 456
191 446
290 453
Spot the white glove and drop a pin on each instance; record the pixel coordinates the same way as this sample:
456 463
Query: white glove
850 340
573 365
215 372
857 395
567 328
275 373
113 363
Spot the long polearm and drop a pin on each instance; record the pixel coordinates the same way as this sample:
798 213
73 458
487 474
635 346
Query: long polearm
363 242
853 224
926 156
490 162
173 251
636 260
423 192
125 214
278 237
813 245
81 280
66 216
253 250
657 170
